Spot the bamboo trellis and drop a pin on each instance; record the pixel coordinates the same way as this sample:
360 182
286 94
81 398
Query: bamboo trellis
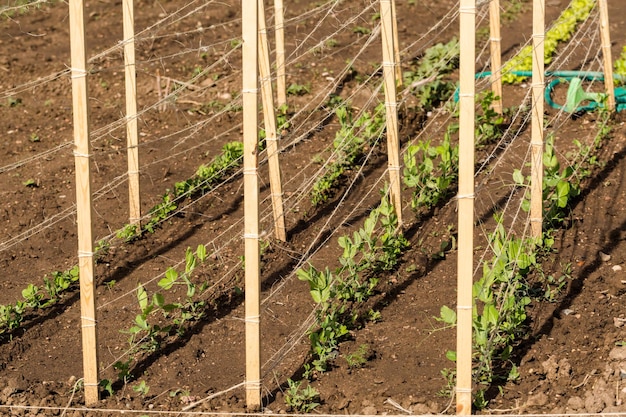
256 60
467 10
538 87
250 35
82 160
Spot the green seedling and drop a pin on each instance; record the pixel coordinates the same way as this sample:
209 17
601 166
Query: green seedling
301 400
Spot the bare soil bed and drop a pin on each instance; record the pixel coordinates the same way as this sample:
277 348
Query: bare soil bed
572 359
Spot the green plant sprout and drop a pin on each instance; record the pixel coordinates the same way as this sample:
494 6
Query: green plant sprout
349 147
374 248
301 400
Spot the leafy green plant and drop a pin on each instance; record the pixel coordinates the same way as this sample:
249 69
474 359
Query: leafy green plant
559 186
158 320
500 297
348 148
374 248
431 171
298 89
437 61
361 30
561 31
489 124
359 358
142 388
302 400
128 233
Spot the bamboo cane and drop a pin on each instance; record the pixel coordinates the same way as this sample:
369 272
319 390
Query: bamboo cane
607 59
83 200
281 83
271 138
536 187
251 203
131 115
391 107
396 45
465 262
495 42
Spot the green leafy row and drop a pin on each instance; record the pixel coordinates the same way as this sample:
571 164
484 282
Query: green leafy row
437 61
561 31
36 297
349 147
371 250
160 320
503 292
204 180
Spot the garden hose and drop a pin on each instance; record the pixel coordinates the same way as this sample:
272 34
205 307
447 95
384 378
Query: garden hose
575 93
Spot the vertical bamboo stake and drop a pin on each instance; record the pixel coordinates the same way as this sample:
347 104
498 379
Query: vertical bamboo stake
607 59
465 263
396 44
495 45
83 200
251 203
536 175
270 129
391 106
281 83
131 114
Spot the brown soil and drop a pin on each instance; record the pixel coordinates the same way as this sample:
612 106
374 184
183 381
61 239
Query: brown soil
570 361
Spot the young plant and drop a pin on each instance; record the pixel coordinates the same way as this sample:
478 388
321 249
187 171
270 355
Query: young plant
348 148
431 171
301 400
372 249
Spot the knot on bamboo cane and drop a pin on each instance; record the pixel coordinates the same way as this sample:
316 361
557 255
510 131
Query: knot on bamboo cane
91 322
253 319
81 155
251 236
78 73
467 9
256 384
465 196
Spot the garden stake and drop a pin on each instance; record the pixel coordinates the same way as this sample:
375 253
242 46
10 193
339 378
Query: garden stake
496 65
391 106
607 60
83 200
251 203
396 45
134 200
465 263
536 142
271 139
279 23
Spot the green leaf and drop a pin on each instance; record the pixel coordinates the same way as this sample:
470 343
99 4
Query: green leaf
447 315
490 314
142 297
518 177
190 261
171 275
451 355
158 300
201 252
